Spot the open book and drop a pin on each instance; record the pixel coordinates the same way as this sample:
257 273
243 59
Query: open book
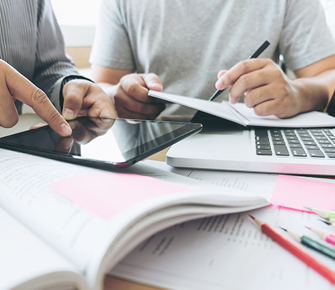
66 226
241 114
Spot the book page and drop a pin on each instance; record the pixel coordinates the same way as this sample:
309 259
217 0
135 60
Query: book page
27 262
78 226
226 252
79 233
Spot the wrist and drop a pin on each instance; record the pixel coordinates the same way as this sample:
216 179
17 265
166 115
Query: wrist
66 80
311 95
331 106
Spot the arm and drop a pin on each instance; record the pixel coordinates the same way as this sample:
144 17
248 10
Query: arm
78 97
270 92
320 75
130 91
113 66
308 48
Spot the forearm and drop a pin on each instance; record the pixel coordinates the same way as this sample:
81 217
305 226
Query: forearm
314 93
51 63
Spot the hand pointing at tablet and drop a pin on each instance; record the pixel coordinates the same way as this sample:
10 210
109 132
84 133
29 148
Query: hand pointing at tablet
14 86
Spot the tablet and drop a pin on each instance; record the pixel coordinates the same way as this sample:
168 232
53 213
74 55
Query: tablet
101 143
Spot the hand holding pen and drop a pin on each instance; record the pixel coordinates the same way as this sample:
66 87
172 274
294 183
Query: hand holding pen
266 88
254 55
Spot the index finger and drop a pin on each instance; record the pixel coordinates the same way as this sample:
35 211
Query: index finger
26 92
243 67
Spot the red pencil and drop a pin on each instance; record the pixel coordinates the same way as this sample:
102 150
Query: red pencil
296 251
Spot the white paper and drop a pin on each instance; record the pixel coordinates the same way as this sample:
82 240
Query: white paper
259 184
24 257
247 116
226 252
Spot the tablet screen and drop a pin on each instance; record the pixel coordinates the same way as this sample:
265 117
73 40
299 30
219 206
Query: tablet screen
102 143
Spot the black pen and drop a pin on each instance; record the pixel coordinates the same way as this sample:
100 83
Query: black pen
254 55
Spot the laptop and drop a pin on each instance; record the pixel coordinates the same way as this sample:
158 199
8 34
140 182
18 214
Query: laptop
303 151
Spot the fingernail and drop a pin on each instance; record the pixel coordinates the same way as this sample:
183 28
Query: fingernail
73 125
68 143
231 100
68 114
219 85
65 129
156 86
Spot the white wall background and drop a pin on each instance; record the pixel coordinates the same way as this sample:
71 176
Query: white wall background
79 17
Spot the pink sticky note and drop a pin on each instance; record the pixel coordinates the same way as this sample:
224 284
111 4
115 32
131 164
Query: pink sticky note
296 193
106 194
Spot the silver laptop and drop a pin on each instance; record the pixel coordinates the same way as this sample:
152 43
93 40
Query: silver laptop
227 146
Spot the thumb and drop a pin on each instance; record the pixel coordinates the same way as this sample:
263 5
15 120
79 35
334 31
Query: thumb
153 82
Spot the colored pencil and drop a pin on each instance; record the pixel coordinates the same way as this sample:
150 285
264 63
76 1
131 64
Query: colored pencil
326 214
329 223
311 243
297 251
328 237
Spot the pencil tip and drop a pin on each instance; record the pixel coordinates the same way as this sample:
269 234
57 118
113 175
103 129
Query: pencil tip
251 216
326 222
283 229
308 228
308 208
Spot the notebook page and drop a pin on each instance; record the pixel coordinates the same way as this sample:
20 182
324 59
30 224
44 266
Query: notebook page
222 110
312 119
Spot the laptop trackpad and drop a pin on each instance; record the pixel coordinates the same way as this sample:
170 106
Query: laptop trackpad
231 142
227 145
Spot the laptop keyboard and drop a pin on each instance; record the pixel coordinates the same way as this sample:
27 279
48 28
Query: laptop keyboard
316 143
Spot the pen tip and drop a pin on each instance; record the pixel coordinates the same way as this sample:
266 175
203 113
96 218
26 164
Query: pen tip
251 216
283 229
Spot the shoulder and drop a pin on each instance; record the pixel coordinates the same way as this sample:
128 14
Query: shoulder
299 8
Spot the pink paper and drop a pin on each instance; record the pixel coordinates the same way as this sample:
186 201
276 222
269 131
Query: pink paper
106 194
296 193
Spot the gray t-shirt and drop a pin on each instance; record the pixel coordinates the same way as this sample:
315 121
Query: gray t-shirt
187 42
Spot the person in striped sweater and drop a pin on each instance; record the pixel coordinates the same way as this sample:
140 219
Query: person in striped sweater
35 70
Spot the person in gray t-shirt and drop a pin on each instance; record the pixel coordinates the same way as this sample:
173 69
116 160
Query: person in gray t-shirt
183 44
